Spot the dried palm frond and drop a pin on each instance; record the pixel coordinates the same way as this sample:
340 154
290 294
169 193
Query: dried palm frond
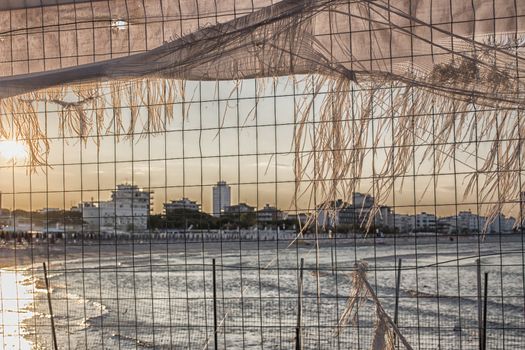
383 335
359 294
385 328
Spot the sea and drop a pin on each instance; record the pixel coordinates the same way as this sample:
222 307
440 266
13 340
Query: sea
167 296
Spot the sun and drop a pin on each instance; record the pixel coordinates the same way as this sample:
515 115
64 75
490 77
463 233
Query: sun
12 150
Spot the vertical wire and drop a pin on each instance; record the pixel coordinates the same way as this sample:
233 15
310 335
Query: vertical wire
202 235
100 275
458 269
373 149
333 240
257 201
353 149
279 298
132 233
186 280
47 219
499 230
221 240
63 141
436 240
167 242
354 211
114 221
454 162
434 183
150 193
393 119
256 128
46 171
202 238
14 232
237 129
83 237
520 139
166 130
150 234
476 170
413 146
13 176
296 182
31 227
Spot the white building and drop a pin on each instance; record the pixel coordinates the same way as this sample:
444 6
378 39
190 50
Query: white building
403 222
425 222
467 222
128 210
384 217
240 208
464 222
270 214
221 197
181 204
361 200
330 213
502 224
299 218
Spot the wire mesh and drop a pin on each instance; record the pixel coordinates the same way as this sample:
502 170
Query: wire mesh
129 223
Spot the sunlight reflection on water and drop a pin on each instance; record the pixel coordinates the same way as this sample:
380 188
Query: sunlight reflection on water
15 299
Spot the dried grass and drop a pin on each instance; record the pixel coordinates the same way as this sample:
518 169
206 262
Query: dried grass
361 291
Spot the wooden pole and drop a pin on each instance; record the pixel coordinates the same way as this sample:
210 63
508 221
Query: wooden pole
298 332
480 307
485 312
215 329
53 332
398 286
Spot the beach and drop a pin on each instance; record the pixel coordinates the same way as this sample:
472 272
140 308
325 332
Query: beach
159 294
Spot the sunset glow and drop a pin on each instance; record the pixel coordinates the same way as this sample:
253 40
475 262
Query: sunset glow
13 150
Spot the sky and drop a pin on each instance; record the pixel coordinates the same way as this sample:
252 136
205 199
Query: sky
228 135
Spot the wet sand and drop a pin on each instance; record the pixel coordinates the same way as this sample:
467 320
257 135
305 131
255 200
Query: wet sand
13 255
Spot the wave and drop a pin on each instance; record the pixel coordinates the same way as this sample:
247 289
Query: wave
138 342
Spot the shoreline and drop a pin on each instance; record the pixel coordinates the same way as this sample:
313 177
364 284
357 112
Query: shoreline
15 255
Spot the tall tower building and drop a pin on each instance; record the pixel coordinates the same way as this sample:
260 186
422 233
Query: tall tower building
221 197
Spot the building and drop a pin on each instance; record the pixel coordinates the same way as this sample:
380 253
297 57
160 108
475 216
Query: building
464 222
181 204
128 210
425 222
48 210
384 217
502 224
357 214
241 208
270 214
403 222
333 213
299 218
5 216
360 200
467 222
221 197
